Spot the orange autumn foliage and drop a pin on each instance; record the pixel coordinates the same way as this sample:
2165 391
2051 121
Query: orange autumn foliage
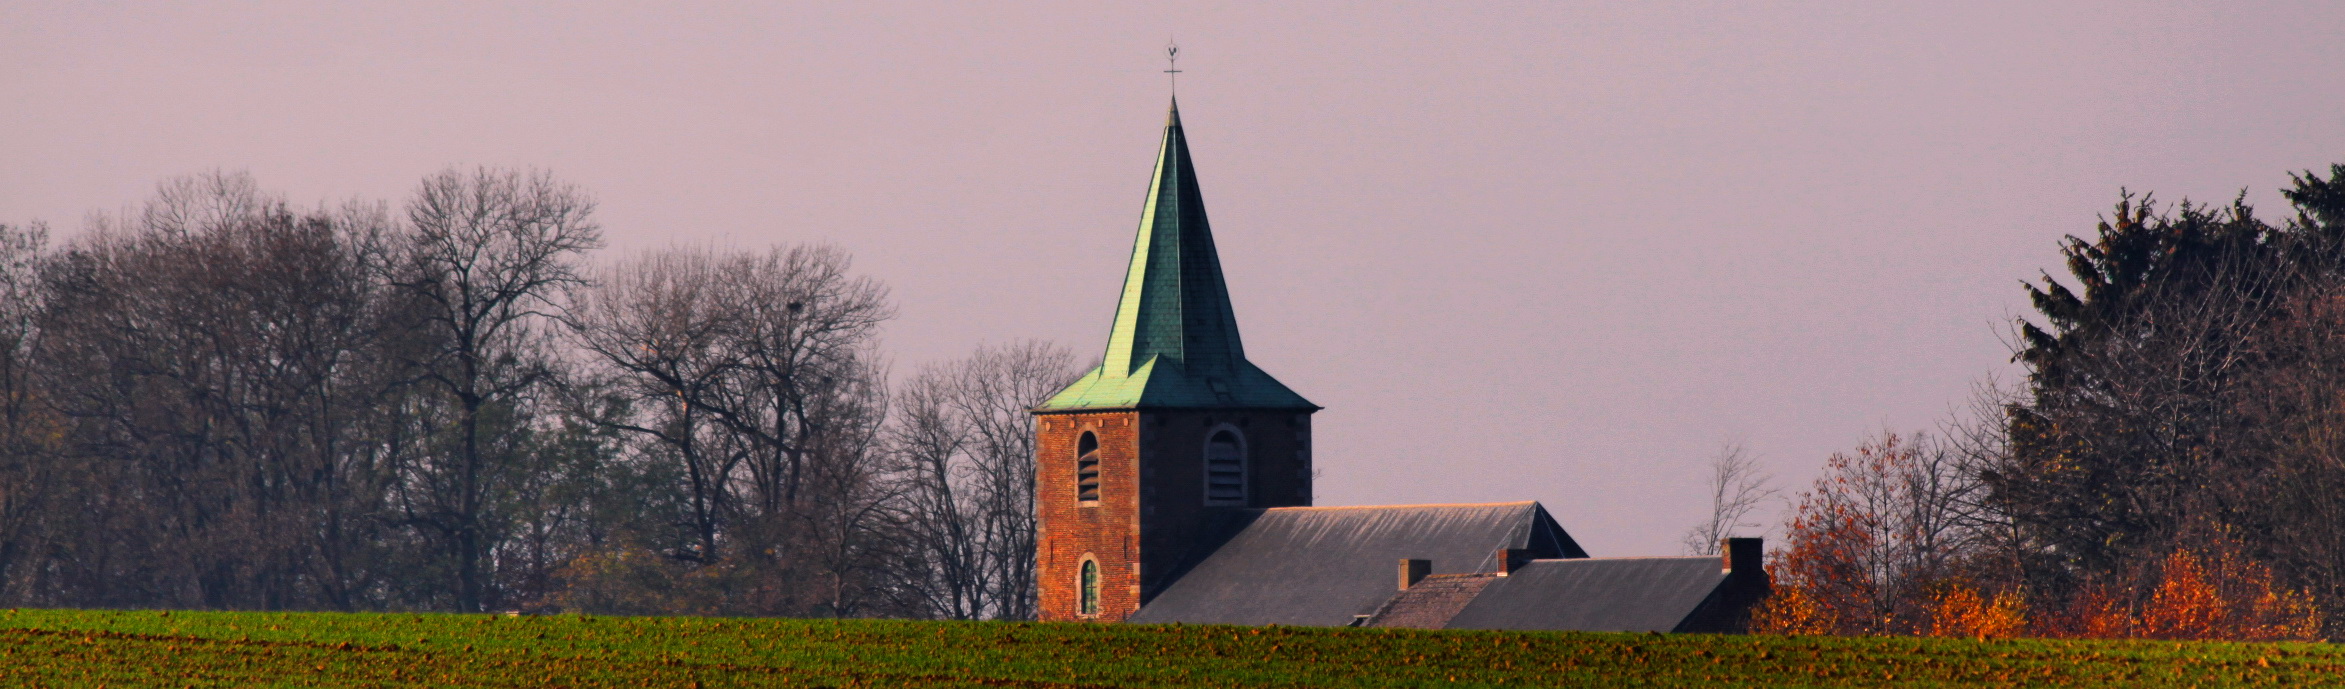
2225 596
1961 610
2216 593
2186 605
1791 611
1876 547
1865 543
2098 613
2212 594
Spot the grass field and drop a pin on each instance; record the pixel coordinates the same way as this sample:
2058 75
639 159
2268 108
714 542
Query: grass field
149 648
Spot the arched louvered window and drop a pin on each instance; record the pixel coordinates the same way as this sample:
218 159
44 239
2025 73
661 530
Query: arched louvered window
1225 468
1088 583
1087 468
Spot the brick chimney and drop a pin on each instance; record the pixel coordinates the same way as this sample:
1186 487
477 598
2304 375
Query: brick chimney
1743 555
1413 571
1511 559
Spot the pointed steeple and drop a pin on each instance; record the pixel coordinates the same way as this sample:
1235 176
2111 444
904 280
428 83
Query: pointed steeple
1175 304
1175 340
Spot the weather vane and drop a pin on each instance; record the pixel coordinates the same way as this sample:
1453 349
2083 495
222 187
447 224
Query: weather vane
1172 64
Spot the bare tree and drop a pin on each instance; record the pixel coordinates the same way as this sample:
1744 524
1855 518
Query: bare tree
26 457
218 400
756 376
964 444
1883 524
1977 438
194 204
661 324
1737 486
803 343
489 251
2293 497
214 366
805 394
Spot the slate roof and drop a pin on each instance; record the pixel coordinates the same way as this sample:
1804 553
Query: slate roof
1432 602
1325 565
1175 340
1629 594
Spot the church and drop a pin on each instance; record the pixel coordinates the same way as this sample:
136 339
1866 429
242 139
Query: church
1173 484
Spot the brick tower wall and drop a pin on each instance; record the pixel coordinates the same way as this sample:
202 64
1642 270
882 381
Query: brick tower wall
1151 517
1067 530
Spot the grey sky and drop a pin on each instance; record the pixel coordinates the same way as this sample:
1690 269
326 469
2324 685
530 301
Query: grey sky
1556 251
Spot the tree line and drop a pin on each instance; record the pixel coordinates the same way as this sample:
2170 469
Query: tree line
217 399
2172 466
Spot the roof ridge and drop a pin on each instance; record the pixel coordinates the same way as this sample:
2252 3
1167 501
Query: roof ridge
1513 503
1633 557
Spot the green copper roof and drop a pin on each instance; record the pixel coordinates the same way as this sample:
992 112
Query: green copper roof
1175 342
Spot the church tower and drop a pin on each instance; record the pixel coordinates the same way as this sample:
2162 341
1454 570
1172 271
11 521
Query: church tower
1141 458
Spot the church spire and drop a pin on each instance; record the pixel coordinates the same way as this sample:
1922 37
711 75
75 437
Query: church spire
1175 340
1175 304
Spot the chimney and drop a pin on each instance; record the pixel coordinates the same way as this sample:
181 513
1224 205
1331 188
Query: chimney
1511 559
1743 554
1413 571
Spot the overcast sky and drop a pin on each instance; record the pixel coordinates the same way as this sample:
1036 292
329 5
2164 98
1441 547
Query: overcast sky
1556 251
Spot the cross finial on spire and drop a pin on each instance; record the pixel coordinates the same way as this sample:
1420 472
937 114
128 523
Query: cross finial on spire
1172 64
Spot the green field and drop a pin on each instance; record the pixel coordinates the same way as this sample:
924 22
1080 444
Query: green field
149 648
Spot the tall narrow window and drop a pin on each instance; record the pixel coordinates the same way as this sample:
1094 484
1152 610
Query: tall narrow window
1090 587
1087 468
1225 468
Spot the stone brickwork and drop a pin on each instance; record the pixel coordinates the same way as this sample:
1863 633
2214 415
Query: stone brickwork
1151 518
